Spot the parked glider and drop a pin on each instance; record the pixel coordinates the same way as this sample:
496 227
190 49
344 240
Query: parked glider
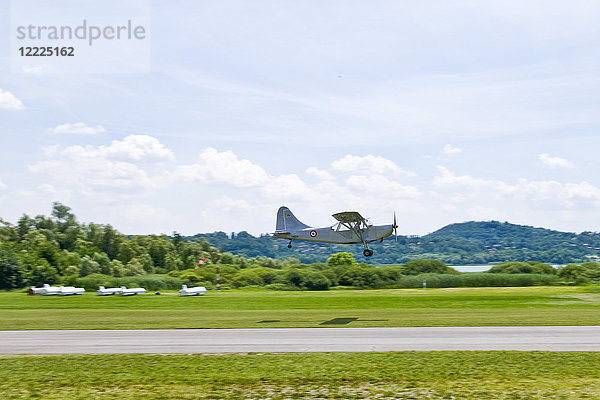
192 291
102 291
351 228
132 291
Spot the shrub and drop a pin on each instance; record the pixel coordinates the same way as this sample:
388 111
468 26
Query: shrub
315 280
361 276
149 282
478 279
427 266
529 267
247 278
280 286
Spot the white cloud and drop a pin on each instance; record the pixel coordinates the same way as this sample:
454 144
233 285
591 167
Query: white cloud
227 206
449 149
132 148
78 128
8 101
319 174
225 167
101 169
47 189
547 194
214 166
449 179
555 162
138 148
288 186
2 185
479 213
33 70
366 164
263 192
144 213
380 185
562 194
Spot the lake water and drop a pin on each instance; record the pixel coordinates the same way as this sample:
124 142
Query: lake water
471 268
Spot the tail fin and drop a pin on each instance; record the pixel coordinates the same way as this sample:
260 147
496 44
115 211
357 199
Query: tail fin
287 221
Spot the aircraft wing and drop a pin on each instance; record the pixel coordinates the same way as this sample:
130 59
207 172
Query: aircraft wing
348 216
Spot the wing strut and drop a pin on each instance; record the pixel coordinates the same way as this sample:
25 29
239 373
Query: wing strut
358 232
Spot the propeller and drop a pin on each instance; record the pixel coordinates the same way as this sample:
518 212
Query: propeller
395 227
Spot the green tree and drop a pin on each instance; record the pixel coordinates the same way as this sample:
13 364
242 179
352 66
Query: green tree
104 263
12 270
315 280
88 266
110 242
572 273
592 270
344 258
128 250
133 268
530 267
247 278
38 246
8 233
146 262
117 268
24 225
42 273
173 262
71 270
361 276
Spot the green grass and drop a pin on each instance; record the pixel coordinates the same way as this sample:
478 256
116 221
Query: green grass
395 375
251 308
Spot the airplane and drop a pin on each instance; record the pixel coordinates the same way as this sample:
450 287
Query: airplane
102 291
48 290
351 228
193 291
35 290
69 290
132 291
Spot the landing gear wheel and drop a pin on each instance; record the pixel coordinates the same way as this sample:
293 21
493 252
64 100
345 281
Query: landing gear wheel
290 245
368 252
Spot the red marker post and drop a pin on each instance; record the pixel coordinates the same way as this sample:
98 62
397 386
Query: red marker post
218 284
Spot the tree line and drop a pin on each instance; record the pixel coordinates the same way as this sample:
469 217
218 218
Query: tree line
57 249
468 243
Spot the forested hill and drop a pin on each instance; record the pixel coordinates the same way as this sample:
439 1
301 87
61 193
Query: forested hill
494 230
455 244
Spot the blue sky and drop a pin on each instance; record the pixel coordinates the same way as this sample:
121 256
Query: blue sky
442 111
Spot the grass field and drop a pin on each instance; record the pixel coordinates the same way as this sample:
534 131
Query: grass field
263 308
403 375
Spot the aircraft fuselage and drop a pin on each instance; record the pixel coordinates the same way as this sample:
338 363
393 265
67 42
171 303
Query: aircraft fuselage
342 236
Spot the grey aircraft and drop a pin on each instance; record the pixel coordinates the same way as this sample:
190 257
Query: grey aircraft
351 228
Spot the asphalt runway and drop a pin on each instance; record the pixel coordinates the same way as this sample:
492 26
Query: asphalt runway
301 340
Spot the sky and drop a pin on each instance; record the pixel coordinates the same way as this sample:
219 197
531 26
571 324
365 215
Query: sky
439 111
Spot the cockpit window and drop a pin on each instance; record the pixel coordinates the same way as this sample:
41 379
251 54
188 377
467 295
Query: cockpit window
340 227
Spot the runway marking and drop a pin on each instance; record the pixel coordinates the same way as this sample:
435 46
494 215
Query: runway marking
338 321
